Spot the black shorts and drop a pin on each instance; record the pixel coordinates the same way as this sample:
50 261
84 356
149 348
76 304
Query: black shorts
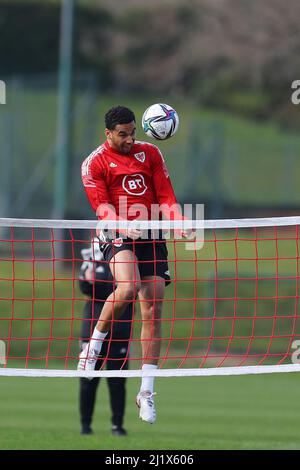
152 254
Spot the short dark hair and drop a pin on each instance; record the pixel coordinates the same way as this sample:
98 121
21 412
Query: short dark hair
118 115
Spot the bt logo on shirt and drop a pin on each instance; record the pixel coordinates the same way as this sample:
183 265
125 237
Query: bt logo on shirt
134 184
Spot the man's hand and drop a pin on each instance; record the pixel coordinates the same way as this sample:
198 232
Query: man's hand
133 233
89 275
188 232
179 233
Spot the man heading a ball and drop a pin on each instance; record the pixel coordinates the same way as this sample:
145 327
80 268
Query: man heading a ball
124 178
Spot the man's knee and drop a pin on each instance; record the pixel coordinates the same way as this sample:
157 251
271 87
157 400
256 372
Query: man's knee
152 311
128 291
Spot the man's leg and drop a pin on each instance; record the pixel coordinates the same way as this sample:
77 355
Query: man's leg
117 385
87 398
117 396
151 301
124 268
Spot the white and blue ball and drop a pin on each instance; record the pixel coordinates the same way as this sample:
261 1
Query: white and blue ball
160 121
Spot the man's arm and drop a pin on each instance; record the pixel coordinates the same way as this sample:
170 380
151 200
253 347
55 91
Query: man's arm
165 192
162 183
96 189
95 281
93 180
84 284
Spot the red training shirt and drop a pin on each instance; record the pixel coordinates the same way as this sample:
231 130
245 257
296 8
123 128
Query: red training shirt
130 183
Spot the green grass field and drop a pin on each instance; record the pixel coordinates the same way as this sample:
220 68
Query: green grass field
249 412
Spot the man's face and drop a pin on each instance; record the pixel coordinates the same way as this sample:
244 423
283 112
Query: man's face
122 137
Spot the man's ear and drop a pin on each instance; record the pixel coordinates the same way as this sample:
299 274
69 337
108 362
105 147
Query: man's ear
107 133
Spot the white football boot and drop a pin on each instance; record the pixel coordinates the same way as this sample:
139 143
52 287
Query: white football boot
145 402
87 358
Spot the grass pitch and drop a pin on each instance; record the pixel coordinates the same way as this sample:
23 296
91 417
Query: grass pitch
247 412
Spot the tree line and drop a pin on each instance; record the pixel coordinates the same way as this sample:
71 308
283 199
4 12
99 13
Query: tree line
235 54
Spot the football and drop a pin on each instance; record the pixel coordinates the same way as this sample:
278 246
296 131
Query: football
160 121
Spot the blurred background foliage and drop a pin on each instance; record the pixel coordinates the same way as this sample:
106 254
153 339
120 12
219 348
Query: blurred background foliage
233 54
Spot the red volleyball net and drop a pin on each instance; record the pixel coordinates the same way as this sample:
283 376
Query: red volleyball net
232 306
